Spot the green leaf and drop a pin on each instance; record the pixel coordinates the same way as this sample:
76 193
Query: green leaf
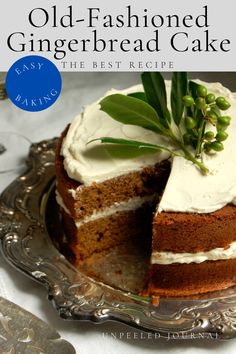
179 89
155 90
131 110
193 89
216 110
191 111
139 95
133 143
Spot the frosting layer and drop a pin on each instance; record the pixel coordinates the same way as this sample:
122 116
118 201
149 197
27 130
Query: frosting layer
215 254
131 204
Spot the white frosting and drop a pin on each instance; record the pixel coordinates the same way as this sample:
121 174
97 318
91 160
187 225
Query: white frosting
129 205
61 203
93 163
188 190
215 254
72 192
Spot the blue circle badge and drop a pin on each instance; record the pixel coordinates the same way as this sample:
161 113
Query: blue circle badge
33 83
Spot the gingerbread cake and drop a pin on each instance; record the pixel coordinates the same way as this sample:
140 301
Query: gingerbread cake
107 198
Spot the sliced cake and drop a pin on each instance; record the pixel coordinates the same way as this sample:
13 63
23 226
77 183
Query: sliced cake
109 194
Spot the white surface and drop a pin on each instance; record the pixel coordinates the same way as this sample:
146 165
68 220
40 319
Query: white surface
196 56
78 90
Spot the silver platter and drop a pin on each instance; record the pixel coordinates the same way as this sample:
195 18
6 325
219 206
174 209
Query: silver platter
27 244
22 332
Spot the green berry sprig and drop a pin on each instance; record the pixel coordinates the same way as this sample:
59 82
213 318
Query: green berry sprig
186 124
202 110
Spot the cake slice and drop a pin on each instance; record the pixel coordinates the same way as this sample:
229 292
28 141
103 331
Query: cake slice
106 199
99 216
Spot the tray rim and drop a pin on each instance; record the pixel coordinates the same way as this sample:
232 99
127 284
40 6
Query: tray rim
26 245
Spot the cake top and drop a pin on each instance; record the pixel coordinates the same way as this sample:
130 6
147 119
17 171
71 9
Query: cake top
187 189
95 162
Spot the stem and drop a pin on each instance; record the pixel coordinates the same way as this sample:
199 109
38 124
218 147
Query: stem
200 136
187 154
190 157
181 135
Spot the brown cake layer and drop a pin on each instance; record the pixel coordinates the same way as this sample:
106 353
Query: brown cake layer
188 279
105 233
188 232
100 195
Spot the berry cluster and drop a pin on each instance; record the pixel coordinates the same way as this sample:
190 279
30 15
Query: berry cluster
186 123
203 109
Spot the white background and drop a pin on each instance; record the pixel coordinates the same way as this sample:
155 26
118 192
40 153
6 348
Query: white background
221 18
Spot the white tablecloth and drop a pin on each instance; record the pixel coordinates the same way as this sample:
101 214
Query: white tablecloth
113 338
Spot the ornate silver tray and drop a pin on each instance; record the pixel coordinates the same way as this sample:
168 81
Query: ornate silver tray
26 242
22 332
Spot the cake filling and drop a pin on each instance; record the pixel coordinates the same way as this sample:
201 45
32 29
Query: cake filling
215 254
61 202
130 205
